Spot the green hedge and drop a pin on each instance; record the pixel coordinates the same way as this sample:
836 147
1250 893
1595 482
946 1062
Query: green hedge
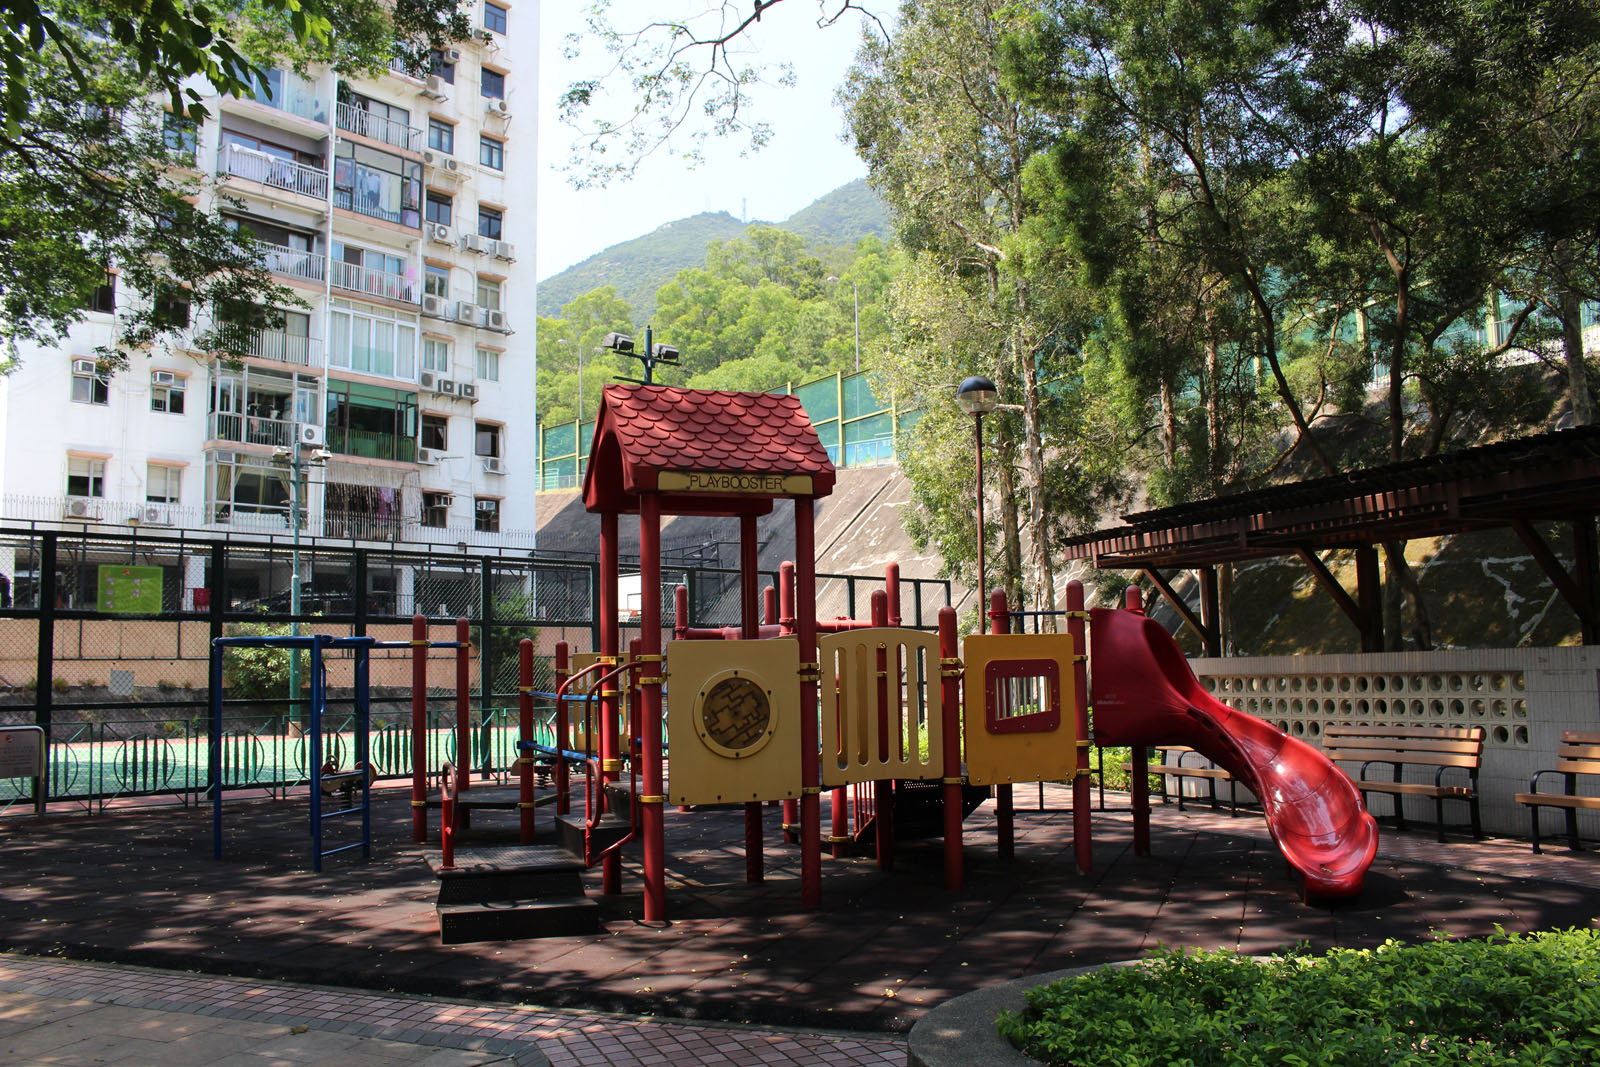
1506 999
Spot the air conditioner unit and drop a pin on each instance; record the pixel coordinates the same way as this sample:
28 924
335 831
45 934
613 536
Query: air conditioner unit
445 386
426 379
471 242
439 232
432 158
453 55
154 516
427 456
225 457
504 250
437 306
83 366
467 391
309 433
433 87
88 510
497 321
163 377
451 164
493 465
500 109
467 313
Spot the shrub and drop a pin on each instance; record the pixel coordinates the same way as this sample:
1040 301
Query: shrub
1506 999
60 684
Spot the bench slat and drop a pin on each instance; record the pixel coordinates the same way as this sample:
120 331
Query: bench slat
1423 759
1454 733
1559 800
1578 766
1415 789
1578 752
1581 737
1408 745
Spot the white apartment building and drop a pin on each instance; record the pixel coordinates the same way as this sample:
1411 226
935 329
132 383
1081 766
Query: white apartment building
402 212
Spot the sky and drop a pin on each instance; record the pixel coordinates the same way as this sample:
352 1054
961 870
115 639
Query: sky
804 160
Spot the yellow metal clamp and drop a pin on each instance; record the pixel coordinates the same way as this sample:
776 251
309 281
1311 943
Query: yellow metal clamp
649 659
1085 743
654 679
607 765
953 781
610 692
524 760
837 839
419 803
810 790
1083 772
1080 658
649 799
421 642
1076 614
526 804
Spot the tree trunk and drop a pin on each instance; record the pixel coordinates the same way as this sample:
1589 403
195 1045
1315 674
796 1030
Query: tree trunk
1010 523
1400 581
1213 411
1169 425
1572 339
1040 569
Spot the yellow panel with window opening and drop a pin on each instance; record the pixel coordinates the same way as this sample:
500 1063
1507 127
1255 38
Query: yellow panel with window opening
1019 711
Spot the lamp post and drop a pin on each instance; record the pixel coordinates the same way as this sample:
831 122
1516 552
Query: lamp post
292 458
978 396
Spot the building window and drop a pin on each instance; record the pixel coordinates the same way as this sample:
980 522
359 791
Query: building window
89 385
436 356
489 222
377 184
104 299
166 392
486 515
435 432
442 67
436 281
492 84
370 421
441 137
436 510
438 209
372 341
241 484
494 17
488 293
85 476
171 311
161 484
486 439
491 153
488 365
180 134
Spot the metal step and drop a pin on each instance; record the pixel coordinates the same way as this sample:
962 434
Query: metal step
518 920
610 830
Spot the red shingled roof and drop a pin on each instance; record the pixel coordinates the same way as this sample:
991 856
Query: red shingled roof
646 430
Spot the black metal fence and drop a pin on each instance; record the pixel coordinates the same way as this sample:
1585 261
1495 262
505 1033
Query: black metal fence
105 639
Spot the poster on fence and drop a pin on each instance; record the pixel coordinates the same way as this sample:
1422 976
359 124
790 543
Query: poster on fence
130 590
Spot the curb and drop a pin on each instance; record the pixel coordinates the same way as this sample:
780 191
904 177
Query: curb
961 1033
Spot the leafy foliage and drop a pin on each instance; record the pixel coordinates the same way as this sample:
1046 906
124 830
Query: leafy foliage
1507 999
261 673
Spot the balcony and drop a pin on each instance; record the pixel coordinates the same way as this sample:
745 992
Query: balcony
287 91
294 262
273 171
249 429
281 347
378 128
372 444
358 279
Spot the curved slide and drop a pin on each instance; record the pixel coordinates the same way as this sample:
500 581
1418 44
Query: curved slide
1145 694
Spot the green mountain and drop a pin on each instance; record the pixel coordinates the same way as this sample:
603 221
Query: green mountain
644 264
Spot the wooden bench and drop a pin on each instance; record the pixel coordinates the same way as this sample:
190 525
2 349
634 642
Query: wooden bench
1578 754
1170 761
1390 749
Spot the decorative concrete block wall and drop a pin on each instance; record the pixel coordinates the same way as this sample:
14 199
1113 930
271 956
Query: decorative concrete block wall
1524 699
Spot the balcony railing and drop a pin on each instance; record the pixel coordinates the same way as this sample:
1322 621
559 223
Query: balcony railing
379 128
375 283
289 92
372 444
282 347
242 162
294 262
249 429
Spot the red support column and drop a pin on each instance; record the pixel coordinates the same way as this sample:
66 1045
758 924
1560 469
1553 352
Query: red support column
805 599
610 640
883 791
1004 820
1082 843
464 703
525 733
559 772
1139 759
680 613
750 606
891 586
652 803
769 616
786 596
419 728
950 721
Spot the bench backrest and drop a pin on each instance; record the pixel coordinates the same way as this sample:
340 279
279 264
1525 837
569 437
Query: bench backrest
1579 752
1432 746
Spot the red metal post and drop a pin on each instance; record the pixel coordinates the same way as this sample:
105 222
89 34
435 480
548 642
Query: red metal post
749 617
769 605
805 598
883 790
464 703
950 716
559 772
1139 758
1082 842
525 733
769 617
786 595
609 706
891 586
419 728
652 803
1004 820
680 613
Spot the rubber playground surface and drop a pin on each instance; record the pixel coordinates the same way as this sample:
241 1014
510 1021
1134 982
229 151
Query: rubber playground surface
140 886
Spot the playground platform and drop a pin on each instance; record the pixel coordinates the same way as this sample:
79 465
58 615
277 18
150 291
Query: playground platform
141 888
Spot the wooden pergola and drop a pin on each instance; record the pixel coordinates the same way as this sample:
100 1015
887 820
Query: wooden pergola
1548 478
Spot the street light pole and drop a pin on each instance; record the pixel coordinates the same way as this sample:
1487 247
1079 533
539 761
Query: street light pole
978 396
297 464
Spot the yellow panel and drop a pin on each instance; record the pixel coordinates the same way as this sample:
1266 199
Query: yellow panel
583 716
853 741
1019 712
734 721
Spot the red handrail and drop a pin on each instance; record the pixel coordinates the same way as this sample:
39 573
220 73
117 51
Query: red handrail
592 787
449 791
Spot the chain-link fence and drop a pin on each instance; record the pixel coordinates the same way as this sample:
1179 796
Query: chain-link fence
105 642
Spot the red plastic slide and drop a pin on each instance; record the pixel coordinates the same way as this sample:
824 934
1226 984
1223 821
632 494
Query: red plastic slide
1145 694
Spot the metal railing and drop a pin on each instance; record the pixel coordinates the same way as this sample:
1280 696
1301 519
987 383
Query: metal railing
372 444
282 347
249 429
295 262
359 279
269 170
379 128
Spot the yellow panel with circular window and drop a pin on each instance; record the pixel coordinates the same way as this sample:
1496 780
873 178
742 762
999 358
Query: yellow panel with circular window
733 718
1019 714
